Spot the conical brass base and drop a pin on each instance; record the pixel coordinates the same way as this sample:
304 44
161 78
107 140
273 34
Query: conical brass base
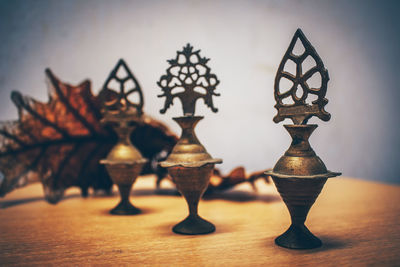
125 207
298 237
124 176
194 225
190 167
299 175
192 183
124 162
299 194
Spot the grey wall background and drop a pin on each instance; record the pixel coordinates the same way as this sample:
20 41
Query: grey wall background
358 41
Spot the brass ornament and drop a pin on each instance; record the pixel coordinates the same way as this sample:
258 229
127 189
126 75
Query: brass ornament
300 111
188 78
299 175
189 164
124 162
117 100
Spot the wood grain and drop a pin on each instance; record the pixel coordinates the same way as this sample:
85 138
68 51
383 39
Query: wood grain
358 222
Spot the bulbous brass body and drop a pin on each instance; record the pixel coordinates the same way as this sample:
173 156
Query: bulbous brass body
300 158
190 167
124 163
299 176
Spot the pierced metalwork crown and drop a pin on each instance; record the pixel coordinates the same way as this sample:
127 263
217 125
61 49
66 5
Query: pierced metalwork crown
119 92
188 78
300 109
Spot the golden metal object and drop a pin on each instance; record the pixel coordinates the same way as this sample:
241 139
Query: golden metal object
300 174
124 162
189 164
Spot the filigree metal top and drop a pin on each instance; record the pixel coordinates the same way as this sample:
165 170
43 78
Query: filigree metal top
188 78
118 91
301 109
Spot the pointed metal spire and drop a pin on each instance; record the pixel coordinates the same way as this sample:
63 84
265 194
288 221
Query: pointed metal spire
299 111
116 100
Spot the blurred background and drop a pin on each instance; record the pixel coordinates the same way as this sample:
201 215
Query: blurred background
358 41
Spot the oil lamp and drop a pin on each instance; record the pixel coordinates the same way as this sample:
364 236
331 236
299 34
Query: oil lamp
300 174
124 162
190 166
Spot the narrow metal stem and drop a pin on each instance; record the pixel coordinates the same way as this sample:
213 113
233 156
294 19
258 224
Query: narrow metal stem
193 207
124 191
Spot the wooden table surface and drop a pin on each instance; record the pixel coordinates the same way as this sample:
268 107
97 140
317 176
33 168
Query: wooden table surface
358 222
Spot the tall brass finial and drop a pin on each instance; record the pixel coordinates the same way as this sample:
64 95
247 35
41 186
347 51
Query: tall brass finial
188 78
124 162
119 87
189 164
300 111
299 175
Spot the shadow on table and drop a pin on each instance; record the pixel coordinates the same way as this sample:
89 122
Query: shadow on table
242 196
16 202
165 228
328 243
143 211
230 195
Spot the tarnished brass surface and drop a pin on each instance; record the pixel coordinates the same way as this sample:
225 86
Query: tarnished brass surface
123 152
124 162
188 152
301 110
192 183
299 195
300 174
188 78
117 101
189 163
124 176
300 159
190 167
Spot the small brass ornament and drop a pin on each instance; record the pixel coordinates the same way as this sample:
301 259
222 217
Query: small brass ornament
300 174
124 162
189 164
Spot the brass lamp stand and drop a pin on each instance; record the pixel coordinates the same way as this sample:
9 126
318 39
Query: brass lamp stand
300 174
189 164
124 162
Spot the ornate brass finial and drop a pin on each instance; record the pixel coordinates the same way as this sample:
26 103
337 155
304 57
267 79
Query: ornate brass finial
188 78
299 175
116 101
124 162
189 164
300 111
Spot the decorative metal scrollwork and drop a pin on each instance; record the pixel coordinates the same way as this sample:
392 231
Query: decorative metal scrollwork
300 111
116 101
188 78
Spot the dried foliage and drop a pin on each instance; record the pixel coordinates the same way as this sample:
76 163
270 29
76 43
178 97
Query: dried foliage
60 143
237 176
